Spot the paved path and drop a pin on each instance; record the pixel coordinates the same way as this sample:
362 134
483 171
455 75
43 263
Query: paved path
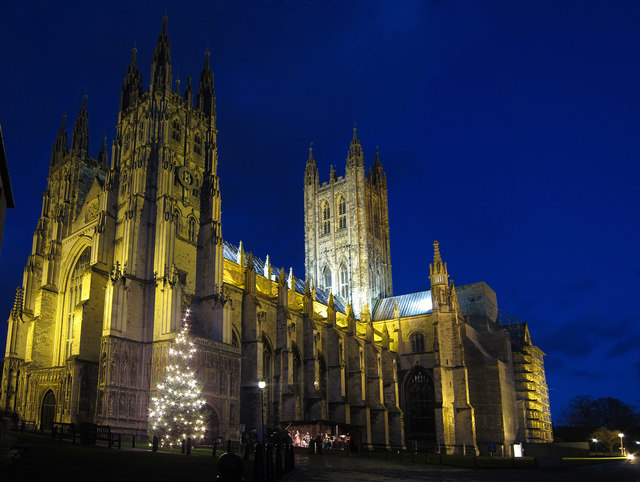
322 468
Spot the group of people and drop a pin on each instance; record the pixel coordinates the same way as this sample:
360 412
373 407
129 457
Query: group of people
323 440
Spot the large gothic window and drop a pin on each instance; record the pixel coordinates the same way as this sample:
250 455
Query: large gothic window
419 405
344 282
326 278
417 342
342 213
326 218
73 296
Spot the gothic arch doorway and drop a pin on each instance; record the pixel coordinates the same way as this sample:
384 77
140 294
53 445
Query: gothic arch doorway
213 425
419 407
48 410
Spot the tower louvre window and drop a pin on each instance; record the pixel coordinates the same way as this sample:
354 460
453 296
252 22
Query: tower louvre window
342 213
326 278
175 130
197 144
326 218
344 282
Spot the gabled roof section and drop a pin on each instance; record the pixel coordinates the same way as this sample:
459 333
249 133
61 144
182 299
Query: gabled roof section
412 304
230 252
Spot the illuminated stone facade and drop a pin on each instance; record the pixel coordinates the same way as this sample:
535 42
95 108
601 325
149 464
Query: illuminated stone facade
123 248
347 231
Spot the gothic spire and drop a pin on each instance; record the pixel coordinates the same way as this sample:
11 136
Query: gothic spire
355 156
378 172
80 132
438 269
60 146
206 99
311 171
103 158
161 65
188 93
132 85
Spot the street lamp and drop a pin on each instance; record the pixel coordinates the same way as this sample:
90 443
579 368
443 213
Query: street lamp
261 385
621 435
595 445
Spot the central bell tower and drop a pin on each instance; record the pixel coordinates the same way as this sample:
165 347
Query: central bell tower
347 249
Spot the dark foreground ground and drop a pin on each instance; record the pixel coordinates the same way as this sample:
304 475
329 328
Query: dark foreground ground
40 458
354 469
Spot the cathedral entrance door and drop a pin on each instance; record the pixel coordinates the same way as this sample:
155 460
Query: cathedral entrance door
213 426
48 411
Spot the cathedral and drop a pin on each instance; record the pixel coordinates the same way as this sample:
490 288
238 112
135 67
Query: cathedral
127 242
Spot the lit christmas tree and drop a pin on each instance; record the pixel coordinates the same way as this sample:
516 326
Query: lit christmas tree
176 412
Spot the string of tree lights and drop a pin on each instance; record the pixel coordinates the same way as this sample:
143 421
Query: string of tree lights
176 412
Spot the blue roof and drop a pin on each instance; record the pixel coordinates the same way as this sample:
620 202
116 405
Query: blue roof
412 304
230 252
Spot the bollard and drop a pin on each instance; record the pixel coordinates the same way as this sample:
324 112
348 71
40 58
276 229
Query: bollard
215 448
189 446
230 467
258 463
229 446
268 471
286 458
155 444
133 441
278 461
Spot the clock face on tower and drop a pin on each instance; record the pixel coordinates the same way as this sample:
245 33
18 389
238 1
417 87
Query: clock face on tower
186 177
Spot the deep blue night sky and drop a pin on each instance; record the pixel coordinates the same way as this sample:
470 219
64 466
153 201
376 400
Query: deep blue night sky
508 131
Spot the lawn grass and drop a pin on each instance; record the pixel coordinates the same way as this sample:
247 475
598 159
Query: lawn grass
46 459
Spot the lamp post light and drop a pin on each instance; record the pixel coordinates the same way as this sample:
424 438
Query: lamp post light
621 435
595 445
261 385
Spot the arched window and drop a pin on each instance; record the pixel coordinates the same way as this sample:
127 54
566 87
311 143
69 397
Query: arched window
342 213
326 278
297 380
192 229
326 218
376 221
175 130
344 282
322 373
419 406
197 143
178 221
127 141
267 363
417 342
124 182
73 296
